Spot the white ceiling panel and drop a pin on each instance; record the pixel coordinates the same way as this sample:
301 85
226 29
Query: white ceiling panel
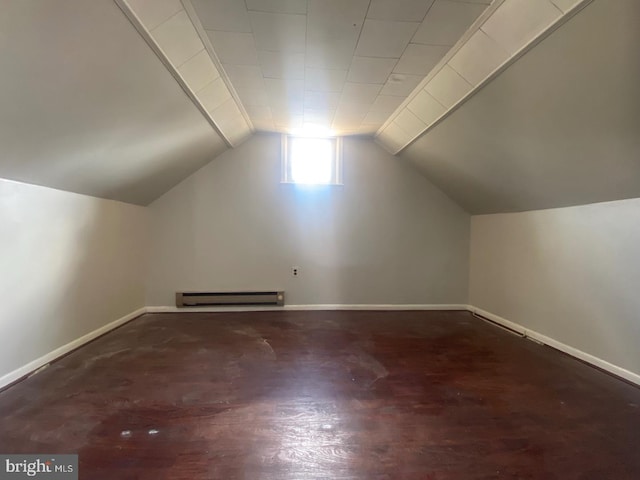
225 15
478 57
376 118
393 137
447 21
235 48
278 6
382 38
410 123
386 103
245 76
447 87
516 22
281 64
324 80
401 85
420 59
214 94
178 38
371 69
259 113
399 10
321 100
279 32
328 55
360 92
334 54
426 108
199 71
154 12
287 92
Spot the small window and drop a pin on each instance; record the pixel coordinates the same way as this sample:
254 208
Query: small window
311 160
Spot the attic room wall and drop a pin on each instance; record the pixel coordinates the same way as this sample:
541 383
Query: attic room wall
387 236
569 273
70 264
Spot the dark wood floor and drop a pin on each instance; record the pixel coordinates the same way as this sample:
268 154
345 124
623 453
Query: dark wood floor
325 395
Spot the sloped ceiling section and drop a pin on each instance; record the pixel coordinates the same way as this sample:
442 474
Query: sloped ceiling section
498 38
86 106
559 127
339 65
176 35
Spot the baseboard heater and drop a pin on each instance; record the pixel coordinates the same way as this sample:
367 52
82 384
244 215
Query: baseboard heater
222 299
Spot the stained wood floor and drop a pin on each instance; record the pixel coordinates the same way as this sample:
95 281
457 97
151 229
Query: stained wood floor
325 395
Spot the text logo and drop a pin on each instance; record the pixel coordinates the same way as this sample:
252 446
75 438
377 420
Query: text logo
45 467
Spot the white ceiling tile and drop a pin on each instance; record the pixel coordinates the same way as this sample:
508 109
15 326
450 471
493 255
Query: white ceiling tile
229 119
245 76
516 22
394 137
234 48
399 10
447 21
154 12
178 38
279 32
360 92
321 100
334 54
253 96
225 15
410 123
323 80
386 103
333 16
199 71
370 69
426 108
281 64
376 118
380 38
278 6
285 96
401 85
565 5
346 109
478 57
448 87
319 117
259 113
420 59
214 94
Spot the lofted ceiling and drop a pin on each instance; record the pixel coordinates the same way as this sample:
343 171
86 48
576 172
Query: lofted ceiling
507 105
336 65
559 127
86 106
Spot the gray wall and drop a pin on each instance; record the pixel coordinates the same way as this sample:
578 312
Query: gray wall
572 274
387 236
69 264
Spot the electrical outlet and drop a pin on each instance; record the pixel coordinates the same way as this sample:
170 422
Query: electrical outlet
295 271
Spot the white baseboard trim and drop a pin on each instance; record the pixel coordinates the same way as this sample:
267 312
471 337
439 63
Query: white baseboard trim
563 347
30 367
168 309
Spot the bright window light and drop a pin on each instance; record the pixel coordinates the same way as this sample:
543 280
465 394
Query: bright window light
311 161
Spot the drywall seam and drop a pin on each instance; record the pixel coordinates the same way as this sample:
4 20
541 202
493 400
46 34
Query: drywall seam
569 350
38 363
